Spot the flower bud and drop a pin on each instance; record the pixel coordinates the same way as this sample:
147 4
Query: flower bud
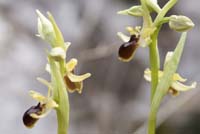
45 28
58 53
133 11
180 23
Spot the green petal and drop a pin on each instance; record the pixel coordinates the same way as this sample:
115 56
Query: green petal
45 82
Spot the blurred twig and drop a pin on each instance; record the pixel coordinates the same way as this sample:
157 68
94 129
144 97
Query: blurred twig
101 51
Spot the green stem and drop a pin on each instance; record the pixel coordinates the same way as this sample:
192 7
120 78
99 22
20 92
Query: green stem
61 97
154 62
163 12
154 6
153 113
165 82
62 67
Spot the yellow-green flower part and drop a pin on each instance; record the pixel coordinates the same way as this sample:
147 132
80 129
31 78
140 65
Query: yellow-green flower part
34 113
74 82
176 85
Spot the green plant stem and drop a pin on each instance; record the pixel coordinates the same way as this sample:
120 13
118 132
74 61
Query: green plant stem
153 114
154 6
154 62
164 84
61 97
163 12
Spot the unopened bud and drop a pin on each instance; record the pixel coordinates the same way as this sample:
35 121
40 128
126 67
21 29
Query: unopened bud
45 28
180 23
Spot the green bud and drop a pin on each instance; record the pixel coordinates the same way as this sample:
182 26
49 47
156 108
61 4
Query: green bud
133 11
180 23
45 28
58 53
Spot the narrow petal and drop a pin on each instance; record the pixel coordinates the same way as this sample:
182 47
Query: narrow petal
37 96
70 65
78 78
45 82
181 87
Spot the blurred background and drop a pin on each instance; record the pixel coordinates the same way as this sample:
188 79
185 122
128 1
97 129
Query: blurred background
115 100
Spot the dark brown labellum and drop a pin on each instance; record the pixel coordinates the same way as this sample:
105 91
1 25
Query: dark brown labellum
127 49
27 119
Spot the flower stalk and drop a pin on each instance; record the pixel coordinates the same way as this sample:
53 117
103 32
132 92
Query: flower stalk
61 97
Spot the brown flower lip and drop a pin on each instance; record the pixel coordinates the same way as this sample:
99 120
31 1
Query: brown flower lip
127 49
28 120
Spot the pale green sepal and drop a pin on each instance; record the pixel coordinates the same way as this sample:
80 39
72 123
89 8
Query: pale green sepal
59 36
136 11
